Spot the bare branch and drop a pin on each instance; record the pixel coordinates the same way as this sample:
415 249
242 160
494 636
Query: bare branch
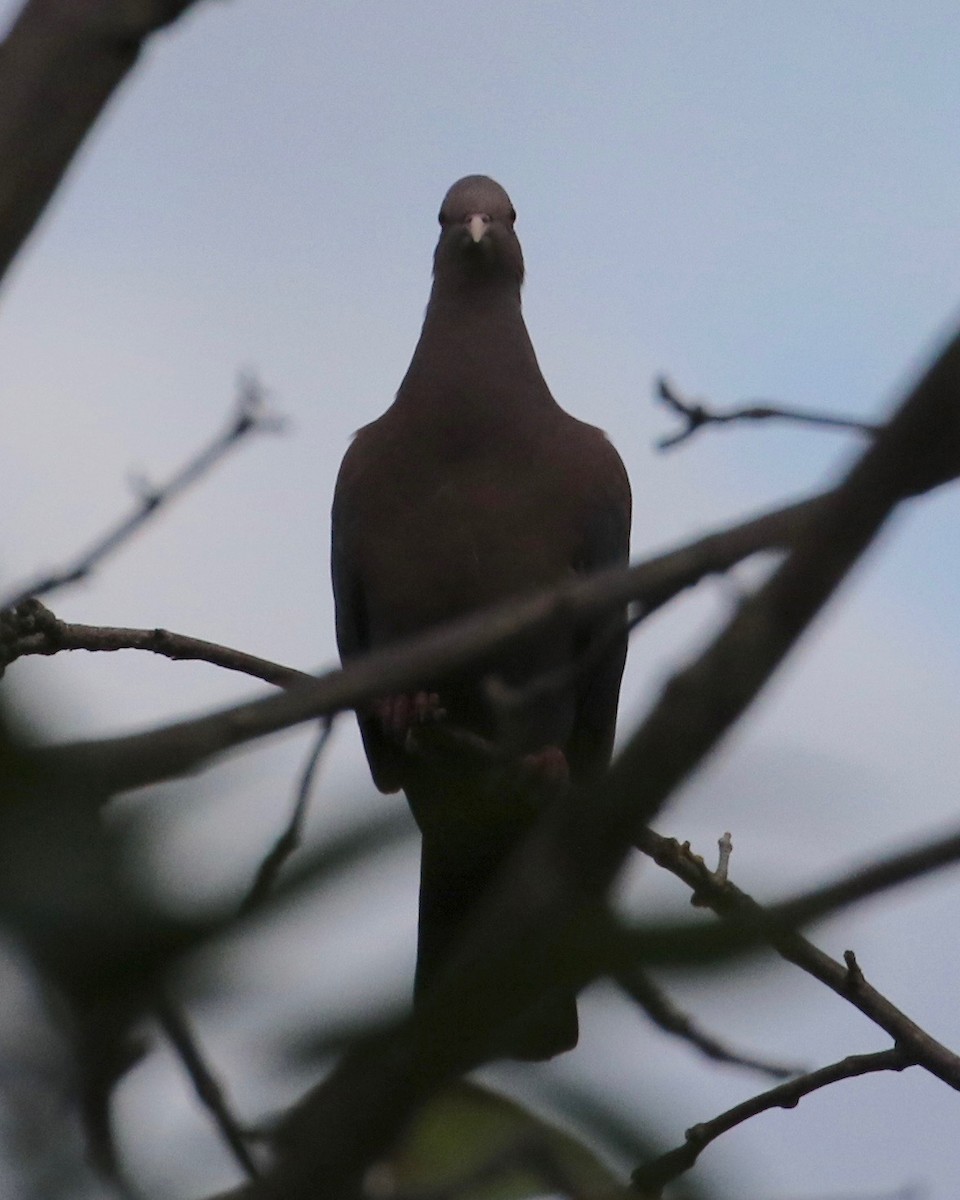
171 1016
876 877
289 840
208 1089
695 414
59 65
31 628
185 746
729 902
678 941
663 1012
248 418
653 1176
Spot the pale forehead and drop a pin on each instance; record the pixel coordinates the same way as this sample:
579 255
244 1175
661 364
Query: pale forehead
476 193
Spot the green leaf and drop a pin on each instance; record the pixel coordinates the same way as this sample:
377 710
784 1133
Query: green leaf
473 1144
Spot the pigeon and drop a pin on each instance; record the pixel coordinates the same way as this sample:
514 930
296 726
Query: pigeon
475 487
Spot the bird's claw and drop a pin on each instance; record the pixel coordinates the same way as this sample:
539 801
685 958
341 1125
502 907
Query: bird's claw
548 766
400 715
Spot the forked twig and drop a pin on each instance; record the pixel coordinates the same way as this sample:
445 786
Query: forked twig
695 414
248 417
289 840
655 1175
171 1017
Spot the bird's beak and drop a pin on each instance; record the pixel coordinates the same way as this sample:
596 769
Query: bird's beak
477 226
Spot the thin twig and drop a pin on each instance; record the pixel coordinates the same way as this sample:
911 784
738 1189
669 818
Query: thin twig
695 414
289 840
669 944
248 417
665 1015
895 869
734 905
173 1019
30 628
209 1091
655 1175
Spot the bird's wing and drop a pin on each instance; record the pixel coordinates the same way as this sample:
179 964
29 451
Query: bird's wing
603 645
350 608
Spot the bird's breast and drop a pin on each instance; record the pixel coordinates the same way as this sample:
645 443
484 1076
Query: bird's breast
461 541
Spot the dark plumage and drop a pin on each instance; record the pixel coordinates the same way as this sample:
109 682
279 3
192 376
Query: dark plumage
473 487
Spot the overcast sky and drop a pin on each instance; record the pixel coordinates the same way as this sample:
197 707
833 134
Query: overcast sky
757 199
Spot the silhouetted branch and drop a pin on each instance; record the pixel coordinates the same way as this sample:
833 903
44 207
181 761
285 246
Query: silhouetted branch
209 1091
664 1013
655 1175
729 902
876 877
171 1016
673 944
695 414
59 64
289 840
31 628
249 417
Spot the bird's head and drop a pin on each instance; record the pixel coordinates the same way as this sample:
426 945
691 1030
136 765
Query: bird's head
477 239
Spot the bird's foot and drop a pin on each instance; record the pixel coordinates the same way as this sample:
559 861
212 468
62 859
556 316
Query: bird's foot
401 715
548 766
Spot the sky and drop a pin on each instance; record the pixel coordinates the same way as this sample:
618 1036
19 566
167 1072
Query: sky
757 200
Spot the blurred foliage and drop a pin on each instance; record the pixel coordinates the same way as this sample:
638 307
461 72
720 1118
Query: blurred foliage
103 949
478 1145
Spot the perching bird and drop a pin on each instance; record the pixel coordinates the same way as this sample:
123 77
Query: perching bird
473 487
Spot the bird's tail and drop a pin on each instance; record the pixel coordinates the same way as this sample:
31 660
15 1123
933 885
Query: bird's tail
453 877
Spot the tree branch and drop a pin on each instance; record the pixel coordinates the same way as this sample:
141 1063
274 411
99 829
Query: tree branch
729 902
289 840
655 1175
248 417
172 1018
917 450
666 1016
695 414
30 628
209 1091
672 944
59 64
